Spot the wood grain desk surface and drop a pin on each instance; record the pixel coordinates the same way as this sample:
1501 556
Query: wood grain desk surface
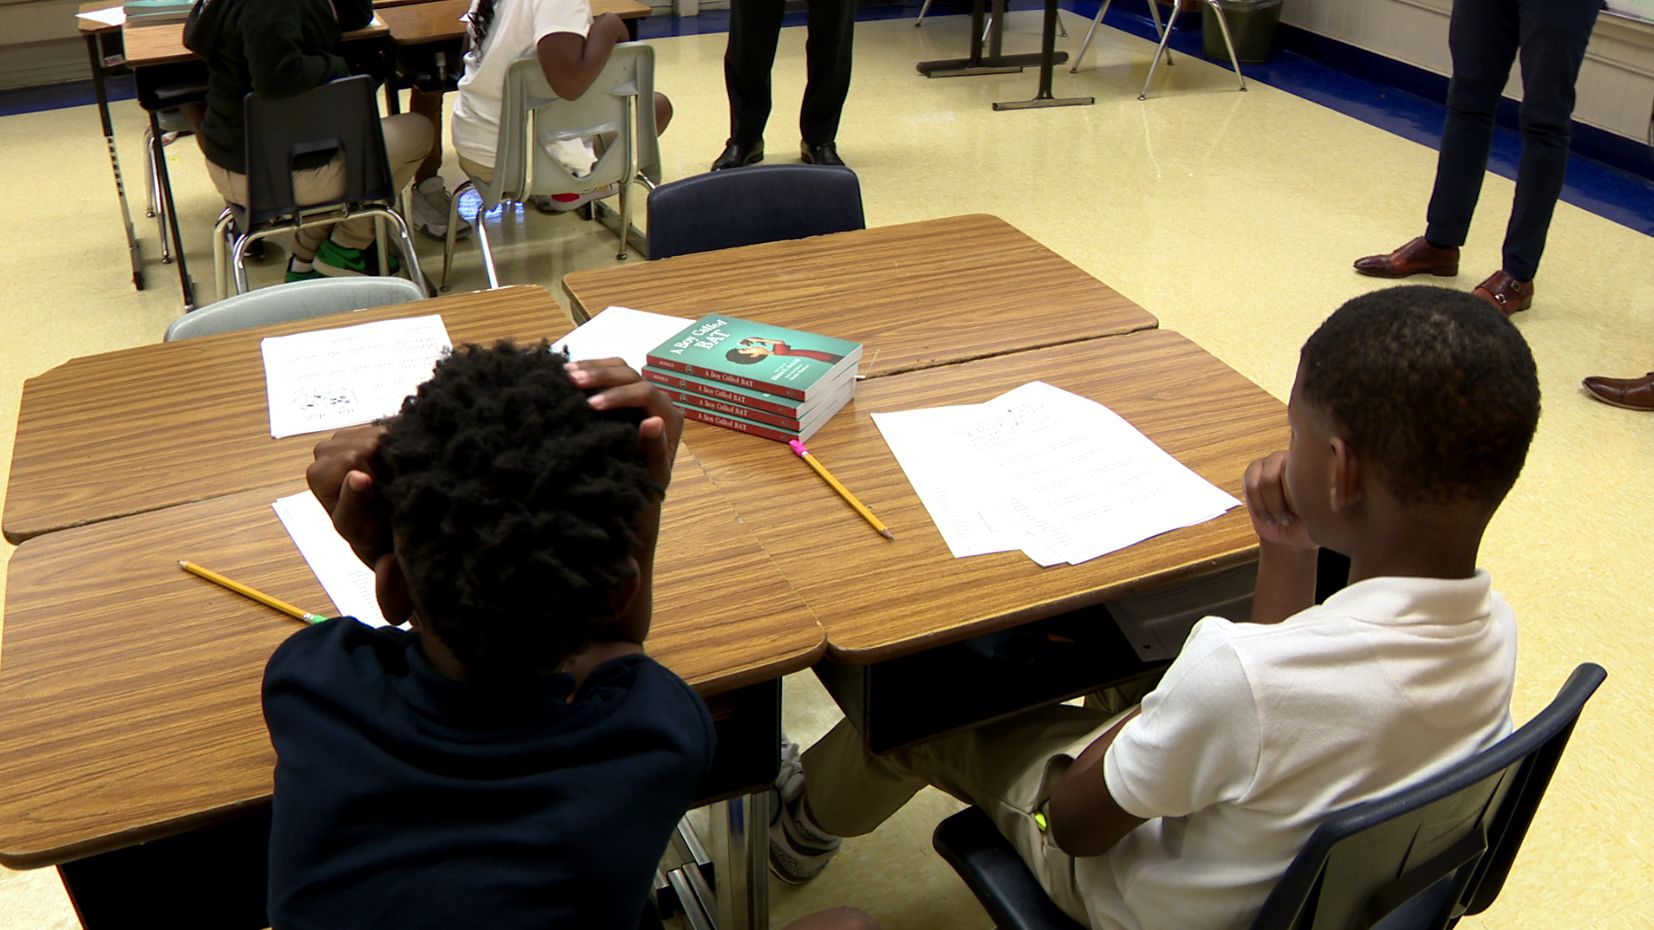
120 433
917 294
413 22
162 43
129 695
879 599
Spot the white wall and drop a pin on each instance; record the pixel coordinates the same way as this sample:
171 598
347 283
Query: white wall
1616 84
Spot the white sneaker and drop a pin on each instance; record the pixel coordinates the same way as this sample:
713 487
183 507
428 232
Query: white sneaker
429 203
564 203
799 850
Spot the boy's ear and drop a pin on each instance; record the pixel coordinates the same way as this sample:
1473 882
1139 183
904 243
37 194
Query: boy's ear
390 586
1348 476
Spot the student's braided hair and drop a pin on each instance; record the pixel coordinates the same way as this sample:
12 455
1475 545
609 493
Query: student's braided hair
481 18
1434 386
512 506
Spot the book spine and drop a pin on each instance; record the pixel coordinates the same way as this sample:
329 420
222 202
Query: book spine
751 429
715 375
691 399
729 395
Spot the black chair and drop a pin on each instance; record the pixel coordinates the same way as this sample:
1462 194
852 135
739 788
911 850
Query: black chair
745 206
1419 858
340 116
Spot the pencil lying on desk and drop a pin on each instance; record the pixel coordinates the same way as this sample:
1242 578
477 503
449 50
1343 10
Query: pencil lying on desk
804 453
256 595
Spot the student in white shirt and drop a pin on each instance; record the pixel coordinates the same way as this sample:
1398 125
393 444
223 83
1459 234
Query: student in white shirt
572 47
1411 417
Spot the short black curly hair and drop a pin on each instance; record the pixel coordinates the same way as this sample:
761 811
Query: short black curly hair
513 506
1433 385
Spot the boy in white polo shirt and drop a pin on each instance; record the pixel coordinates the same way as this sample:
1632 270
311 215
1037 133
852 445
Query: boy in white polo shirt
1411 416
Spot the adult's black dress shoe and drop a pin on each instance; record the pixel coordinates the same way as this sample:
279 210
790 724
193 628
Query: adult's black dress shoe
824 154
737 155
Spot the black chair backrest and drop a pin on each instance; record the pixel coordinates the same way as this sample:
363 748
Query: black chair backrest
1424 856
746 206
339 116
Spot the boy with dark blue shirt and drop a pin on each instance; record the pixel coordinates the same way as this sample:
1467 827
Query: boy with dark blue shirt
512 759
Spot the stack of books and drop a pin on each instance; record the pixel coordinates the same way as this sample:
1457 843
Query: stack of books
153 12
778 383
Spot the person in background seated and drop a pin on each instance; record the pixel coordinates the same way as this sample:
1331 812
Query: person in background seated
1411 417
513 759
572 48
282 48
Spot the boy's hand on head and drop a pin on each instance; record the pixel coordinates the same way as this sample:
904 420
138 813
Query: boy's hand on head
612 385
1267 502
341 477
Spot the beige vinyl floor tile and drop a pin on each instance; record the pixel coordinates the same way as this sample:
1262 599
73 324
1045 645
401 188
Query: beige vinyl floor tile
1232 217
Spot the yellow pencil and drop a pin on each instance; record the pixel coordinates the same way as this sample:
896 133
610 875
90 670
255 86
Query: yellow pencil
844 492
245 591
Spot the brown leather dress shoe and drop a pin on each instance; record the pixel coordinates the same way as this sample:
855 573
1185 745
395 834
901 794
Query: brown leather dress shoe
1505 293
1416 257
1630 393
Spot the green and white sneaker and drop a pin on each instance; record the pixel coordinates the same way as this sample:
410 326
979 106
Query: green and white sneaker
292 275
335 261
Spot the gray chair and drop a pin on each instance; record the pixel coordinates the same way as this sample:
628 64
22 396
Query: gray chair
1419 858
296 300
746 206
619 106
1165 37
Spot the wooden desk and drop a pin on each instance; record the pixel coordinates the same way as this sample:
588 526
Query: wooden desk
882 601
129 698
123 432
917 294
163 43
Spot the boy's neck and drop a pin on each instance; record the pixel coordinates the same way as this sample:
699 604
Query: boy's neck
1418 548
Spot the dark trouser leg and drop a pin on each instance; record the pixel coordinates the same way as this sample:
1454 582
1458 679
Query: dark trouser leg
1482 38
1554 36
754 30
827 51
429 105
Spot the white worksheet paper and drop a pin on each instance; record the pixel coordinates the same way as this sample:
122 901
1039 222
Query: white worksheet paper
348 583
114 16
1056 475
621 332
333 378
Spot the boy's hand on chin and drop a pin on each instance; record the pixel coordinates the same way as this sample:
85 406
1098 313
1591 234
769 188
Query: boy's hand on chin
1267 502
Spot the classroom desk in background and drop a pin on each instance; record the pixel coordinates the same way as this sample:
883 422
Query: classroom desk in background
917 294
895 612
150 427
133 752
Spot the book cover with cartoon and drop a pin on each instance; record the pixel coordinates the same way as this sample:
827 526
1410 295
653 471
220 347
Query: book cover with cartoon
757 356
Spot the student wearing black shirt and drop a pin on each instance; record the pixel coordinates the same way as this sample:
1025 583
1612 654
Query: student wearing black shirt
282 48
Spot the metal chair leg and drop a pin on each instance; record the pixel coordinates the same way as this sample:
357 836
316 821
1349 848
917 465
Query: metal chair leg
410 258
153 152
1089 33
922 11
487 255
220 249
1165 37
1228 44
1159 30
453 224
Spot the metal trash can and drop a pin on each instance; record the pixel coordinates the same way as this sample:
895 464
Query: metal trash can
1251 24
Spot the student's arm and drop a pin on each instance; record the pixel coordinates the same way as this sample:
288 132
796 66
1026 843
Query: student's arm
1286 553
1085 820
614 386
277 57
571 61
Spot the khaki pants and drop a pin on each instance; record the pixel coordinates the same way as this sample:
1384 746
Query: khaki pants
1008 769
407 141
